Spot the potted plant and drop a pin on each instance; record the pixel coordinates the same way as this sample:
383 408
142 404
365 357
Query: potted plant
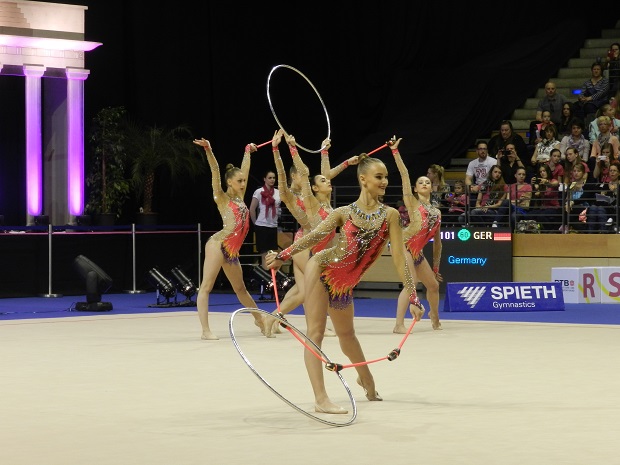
152 148
106 180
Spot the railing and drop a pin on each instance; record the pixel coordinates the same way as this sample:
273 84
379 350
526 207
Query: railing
549 220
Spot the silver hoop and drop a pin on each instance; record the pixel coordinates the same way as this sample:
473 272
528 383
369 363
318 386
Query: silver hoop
315 91
349 419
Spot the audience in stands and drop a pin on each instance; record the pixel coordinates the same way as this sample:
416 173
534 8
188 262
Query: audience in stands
566 123
600 171
608 196
539 129
577 140
551 102
510 163
478 169
507 135
605 110
543 148
517 203
580 196
545 203
571 159
556 167
440 188
604 136
457 204
594 94
491 194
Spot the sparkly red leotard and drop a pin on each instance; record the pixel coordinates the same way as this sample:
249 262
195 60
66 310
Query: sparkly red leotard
232 238
430 221
344 264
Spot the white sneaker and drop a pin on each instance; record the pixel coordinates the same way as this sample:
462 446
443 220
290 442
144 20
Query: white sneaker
610 221
494 225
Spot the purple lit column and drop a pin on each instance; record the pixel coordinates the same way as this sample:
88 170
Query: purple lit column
34 161
75 138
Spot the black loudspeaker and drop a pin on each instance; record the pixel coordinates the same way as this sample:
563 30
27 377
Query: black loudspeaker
97 282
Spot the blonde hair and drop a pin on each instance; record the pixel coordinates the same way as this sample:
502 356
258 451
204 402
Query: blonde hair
438 170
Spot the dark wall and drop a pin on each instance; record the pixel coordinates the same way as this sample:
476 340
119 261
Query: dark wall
421 72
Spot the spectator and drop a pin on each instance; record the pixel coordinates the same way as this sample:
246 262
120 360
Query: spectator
543 149
265 211
490 197
566 122
594 93
510 163
608 196
577 140
604 136
556 168
580 196
545 203
507 135
404 214
600 173
457 205
478 169
571 159
605 110
612 63
552 102
440 188
518 201
539 129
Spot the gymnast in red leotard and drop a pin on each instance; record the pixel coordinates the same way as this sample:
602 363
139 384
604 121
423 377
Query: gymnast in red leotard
332 273
425 225
309 203
222 248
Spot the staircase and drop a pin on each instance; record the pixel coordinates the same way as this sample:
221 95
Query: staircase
567 81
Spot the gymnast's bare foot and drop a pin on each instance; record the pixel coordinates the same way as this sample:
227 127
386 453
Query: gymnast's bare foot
208 335
434 316
264 324
329 407
399 329
374 396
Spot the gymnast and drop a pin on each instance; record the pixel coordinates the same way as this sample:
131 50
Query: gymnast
222 248
309 201
425 225
331 274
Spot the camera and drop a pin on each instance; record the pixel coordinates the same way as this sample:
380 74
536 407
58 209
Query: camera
602 157
506 152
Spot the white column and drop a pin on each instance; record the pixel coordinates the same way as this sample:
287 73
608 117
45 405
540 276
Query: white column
34 162
75 138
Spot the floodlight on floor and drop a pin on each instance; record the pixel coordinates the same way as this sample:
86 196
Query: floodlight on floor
183 283
162 284
97 282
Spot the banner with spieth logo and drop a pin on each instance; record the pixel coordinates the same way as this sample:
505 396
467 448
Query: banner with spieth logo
503 297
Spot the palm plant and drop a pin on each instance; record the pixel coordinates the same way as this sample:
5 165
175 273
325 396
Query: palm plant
151 148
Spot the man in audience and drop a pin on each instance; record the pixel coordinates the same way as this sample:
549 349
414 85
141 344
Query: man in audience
478 170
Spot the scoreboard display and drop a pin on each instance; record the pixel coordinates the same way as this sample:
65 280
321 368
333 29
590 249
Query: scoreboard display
473 255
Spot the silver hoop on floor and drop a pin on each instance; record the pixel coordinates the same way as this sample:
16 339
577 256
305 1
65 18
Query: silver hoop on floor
351 417
315 91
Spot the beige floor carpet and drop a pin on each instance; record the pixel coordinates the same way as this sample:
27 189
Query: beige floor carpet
144 389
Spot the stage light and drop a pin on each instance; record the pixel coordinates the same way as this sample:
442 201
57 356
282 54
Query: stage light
97 282
183 283
163 285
